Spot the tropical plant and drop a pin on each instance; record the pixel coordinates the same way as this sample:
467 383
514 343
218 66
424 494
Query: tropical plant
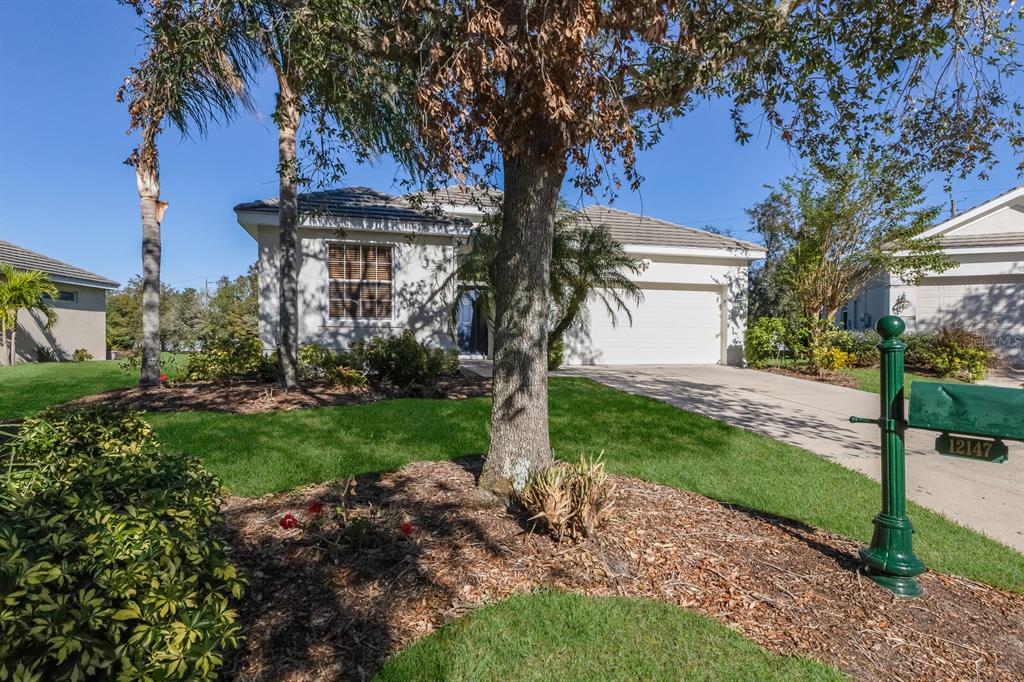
528 92
586 264
404 361
834 229
109 568
22 290
195 70
569 499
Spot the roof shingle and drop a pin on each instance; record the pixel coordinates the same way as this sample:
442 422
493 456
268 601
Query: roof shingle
983 240
631 228
360 203
23 259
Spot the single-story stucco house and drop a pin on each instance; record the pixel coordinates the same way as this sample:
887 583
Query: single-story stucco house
984 291
372 264
81 306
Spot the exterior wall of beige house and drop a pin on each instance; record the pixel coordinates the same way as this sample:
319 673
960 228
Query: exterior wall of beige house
984 290
694 283
81 307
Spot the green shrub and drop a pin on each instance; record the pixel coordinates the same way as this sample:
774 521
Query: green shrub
765 341
231 358
919 348
861 346
961 353
403 361
347 376
556 354
81 355
831 358
108 569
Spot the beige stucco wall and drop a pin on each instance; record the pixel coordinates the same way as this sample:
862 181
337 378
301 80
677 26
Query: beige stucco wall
80 324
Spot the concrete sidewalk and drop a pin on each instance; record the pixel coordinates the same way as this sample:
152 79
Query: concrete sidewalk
981 495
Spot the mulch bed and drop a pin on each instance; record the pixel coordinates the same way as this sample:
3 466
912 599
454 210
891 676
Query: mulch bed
835 378
333 599
246 397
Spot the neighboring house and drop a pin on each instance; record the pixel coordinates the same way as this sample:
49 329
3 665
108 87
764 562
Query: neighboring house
984 291
81 307
374 264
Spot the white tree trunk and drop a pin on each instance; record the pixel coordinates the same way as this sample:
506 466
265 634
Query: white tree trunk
147 177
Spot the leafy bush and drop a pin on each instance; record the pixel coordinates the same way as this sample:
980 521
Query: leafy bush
404 361
961 353
46 354
107 565
349 377
919 347
862 346
556 354
569 499
830 359
231 358
765 341
81 355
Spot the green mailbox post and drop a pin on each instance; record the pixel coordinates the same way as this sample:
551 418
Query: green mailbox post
973 421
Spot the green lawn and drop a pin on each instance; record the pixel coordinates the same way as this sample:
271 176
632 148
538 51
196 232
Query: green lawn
27 388
868 380
551 636
257 454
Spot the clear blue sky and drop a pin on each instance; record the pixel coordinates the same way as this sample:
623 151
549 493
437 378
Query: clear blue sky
64 191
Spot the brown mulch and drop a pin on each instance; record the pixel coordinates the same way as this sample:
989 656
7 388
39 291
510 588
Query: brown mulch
332 600
246 397
836 378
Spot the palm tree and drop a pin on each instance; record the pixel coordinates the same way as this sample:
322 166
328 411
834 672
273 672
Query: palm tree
22 290
196 70
586 262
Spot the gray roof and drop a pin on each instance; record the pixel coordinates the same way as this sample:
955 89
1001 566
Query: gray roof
632 228
23 259
982 240
361 203
462 196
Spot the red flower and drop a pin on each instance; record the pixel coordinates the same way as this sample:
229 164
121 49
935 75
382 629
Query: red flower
406 528
288 521
164 377
315 507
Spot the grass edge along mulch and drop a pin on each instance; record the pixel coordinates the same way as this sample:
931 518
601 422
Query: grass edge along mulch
561 636
416 549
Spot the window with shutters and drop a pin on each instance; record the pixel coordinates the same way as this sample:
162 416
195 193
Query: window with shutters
360 281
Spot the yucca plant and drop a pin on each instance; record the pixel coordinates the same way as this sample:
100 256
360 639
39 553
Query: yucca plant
570 499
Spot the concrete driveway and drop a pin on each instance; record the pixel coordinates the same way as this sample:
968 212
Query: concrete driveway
981 495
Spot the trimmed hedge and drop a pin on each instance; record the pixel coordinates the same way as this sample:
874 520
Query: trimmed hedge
108 568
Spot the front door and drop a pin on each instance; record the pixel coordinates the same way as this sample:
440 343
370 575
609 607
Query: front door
471 326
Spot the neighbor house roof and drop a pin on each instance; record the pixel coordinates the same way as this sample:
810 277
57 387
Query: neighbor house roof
640 230
982 240
358 203
59 271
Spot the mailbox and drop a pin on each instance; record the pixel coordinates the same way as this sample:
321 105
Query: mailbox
988 412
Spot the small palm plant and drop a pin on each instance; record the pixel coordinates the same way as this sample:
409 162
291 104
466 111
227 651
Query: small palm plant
22 290
586 263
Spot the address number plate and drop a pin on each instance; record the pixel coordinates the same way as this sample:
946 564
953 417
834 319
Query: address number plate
974 448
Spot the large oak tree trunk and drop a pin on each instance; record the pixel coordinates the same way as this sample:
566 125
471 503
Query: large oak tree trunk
147 178
288 119
519 414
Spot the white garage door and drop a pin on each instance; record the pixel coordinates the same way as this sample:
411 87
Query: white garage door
672 326
996 308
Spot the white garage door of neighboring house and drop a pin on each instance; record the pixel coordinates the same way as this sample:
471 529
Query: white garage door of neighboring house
671 326
994 307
